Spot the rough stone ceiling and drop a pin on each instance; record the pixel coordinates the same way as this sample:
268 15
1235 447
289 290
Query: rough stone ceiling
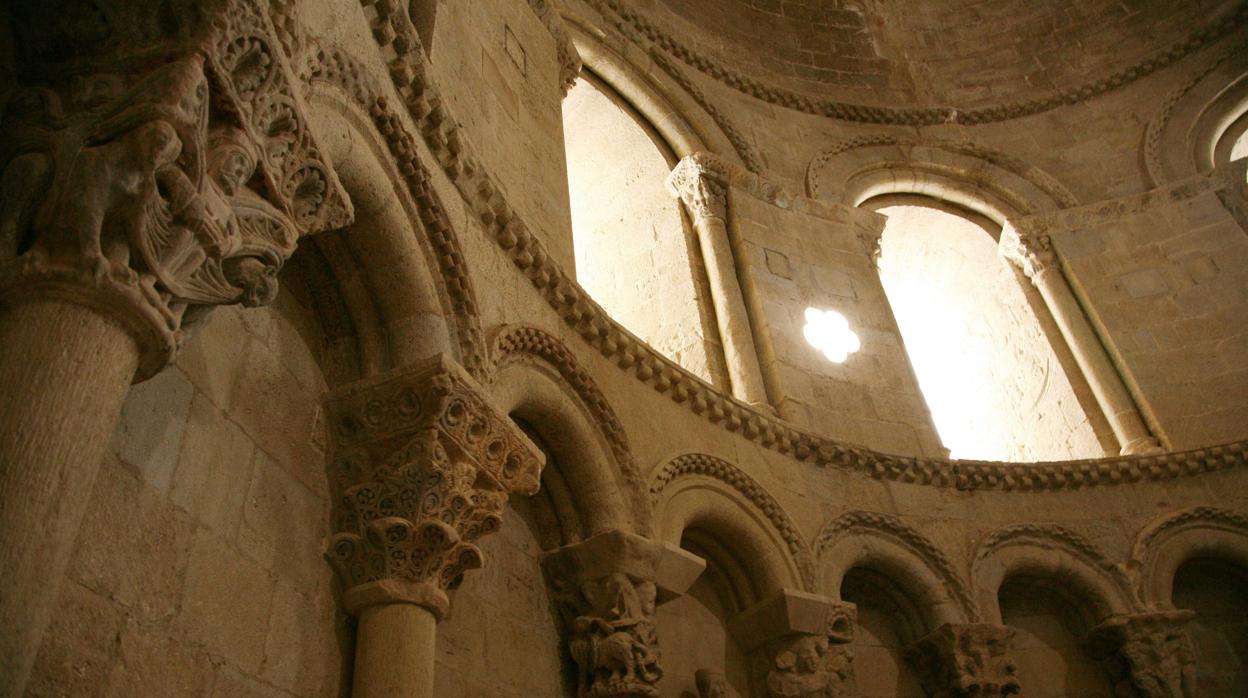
964 53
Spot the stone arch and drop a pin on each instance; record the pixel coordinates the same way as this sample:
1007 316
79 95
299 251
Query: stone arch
596 485
985 181
738 525
1057 558
416 284
665 97
1164 545
890 548
1196 124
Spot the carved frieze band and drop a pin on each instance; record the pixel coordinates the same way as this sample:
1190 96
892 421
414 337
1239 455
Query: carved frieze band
422 468
485 198
175 178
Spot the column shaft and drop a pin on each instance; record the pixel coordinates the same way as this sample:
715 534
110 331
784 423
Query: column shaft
1107 386
64 372
394 652
731 317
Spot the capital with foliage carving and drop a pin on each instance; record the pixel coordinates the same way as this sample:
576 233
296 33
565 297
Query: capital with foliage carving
960 661
156 162
698 181
1149 655
422 469
1031 252
607 588
798 645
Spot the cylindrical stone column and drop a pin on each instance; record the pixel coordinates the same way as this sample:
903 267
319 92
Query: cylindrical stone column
394 652
706 199
1035 256
64 371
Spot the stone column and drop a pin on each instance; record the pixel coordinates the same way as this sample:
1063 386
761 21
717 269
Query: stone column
133 199
607 588
798 646
705 194
423 465
1148 654
1034 254
961 661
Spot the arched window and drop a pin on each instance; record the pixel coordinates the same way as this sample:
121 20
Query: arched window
634 251
1052 661
993 383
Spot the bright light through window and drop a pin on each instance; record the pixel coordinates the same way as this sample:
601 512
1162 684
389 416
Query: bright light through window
828 331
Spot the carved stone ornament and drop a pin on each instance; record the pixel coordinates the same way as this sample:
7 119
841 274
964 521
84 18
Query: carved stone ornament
959 661
1149 655
1033 253
798 644
155 167
422 469
606 589
712 683
701 188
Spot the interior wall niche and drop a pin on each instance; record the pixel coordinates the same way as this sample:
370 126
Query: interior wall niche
994 385
634 252
888 622
1049 626
1215 591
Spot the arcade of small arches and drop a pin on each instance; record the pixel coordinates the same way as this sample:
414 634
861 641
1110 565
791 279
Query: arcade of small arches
465 349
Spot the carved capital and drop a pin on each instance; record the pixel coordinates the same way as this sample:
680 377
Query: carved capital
957 661
607 588
422 469
1149 655
798 645
870 239
699 182
175 175
1031 252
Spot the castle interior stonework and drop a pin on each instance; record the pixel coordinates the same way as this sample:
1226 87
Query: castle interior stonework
624 348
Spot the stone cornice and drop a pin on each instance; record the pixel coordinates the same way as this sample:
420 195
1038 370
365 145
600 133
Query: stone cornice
485 198
641 29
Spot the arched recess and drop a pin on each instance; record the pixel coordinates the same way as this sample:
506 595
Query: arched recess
888 546
752 551
903 587
1163 546
1056 557
1197 124
595 485
1053 587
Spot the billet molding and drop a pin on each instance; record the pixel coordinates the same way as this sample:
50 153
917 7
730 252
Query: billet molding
892 528
642 30
700 464
484 197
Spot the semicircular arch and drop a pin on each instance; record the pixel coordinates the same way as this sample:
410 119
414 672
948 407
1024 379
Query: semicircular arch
1163 546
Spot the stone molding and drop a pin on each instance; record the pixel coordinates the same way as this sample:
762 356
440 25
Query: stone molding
484 197
1149 542
331 66
797 645
816 187
607 588
965 661
892 528
1149 655
699 464
156 193
718 170
642 30
423 464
